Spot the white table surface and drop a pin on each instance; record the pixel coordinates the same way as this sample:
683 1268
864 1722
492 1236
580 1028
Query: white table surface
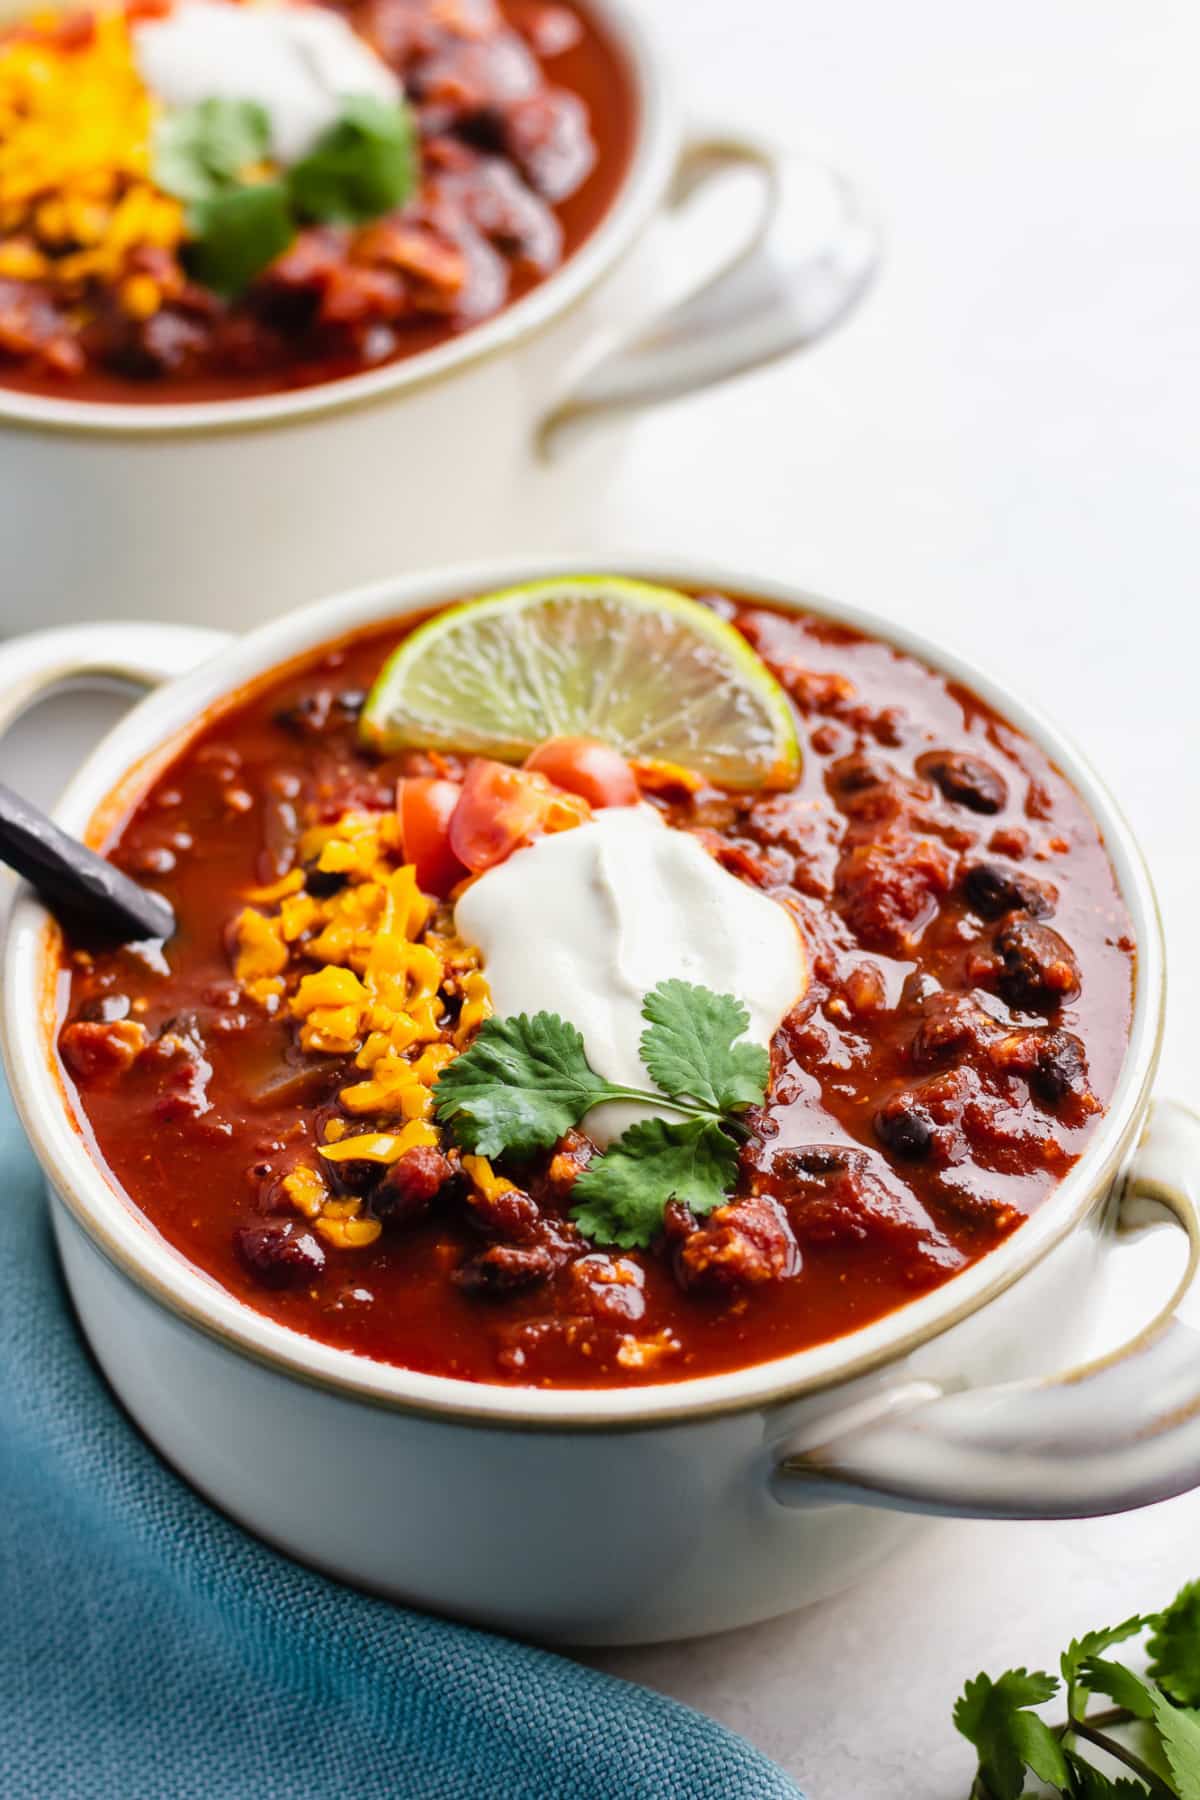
1001 448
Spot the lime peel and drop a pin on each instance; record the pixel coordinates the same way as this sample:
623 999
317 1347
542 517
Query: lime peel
643 667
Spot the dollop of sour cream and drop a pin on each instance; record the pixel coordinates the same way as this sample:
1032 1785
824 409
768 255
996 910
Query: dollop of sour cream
298 62
585 922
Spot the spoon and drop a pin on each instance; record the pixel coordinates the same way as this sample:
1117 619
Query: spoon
72 879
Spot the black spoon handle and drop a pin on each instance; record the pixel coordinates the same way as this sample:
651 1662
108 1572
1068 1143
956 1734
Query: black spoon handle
74 881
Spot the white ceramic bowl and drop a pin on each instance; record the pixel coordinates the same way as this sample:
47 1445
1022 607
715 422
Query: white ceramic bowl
225 512
610 1516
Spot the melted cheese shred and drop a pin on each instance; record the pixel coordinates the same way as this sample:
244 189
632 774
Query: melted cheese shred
365 974
76 123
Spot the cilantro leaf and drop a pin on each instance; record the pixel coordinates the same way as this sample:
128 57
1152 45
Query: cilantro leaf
1163 1752
622 1194
1087 1783
1179 1730
521 1085
201 150
691 1047
1093 1643
525 1081
992 1715
237 233
364 165
1101 1676
1175 1647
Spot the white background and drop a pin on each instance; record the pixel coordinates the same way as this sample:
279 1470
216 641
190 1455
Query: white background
1001 449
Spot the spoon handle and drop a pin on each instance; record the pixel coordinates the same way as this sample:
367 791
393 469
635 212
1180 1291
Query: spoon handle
74 882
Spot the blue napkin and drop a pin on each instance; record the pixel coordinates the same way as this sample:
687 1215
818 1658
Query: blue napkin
150 1650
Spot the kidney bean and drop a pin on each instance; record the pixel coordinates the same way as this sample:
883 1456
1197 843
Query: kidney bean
409 1188
505 1268
280 1253
511 1214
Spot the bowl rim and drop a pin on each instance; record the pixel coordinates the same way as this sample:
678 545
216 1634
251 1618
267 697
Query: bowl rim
657 139
127 760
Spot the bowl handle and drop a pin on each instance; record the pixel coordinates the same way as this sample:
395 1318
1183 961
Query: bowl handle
119 650
809 258
1117 1433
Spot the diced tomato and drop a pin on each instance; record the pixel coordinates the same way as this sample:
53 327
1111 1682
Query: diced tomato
426 806
588 767
500 808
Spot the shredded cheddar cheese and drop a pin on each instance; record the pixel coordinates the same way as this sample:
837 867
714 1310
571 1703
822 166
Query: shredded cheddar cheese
306 1190
490 1185
364 974
76 197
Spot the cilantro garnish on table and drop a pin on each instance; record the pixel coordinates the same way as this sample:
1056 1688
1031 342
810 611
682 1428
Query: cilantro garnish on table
1147 1740
525 1081
215 156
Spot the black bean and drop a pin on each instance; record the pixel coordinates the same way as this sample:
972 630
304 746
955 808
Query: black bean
904 1127
1040 971
992 890
309 715
966 780
1060 1067
483 129
810 1159
321 883
855 774
863 787
353 1175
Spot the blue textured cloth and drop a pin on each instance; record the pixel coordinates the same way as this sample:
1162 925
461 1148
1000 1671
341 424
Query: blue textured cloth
150 1650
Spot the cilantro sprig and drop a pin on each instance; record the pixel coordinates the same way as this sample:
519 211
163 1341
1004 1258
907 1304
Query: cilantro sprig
242 214
1151 1728
525 1081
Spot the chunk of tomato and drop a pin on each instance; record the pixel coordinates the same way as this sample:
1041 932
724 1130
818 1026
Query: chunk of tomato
501 808
588 767
426 806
